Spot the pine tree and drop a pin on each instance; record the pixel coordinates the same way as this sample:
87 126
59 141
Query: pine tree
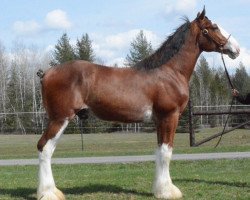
203 72
63 51
219 87
84 49
195 95
242 80
140 49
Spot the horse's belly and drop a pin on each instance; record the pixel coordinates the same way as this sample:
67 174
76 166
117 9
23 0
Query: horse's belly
123 113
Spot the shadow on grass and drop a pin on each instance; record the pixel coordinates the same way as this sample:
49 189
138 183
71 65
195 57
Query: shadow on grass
24 193
29 193
224 183
94 188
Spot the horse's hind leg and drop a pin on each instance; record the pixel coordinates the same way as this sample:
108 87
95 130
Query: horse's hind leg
46 145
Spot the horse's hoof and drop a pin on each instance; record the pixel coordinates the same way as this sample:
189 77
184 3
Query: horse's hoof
176 193
51 195
171 192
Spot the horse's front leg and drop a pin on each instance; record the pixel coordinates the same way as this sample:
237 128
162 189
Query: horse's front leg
46 145
163 186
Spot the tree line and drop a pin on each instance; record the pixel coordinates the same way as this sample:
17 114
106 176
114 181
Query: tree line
20 98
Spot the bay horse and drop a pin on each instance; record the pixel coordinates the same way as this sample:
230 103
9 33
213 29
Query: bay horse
156 88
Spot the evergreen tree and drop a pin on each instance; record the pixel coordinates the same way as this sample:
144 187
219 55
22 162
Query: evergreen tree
63 51
219 87
84 49
195 89
242 80
220 93
204 73
140 49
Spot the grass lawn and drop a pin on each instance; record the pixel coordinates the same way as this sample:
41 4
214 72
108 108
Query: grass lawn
201 180
214 179
24 146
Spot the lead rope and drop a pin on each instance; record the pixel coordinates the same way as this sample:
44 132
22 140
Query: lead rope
228 77
230 108
224 128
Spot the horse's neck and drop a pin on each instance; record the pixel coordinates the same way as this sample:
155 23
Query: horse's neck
184 61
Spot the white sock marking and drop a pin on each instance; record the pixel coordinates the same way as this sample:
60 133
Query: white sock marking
163 186
46 180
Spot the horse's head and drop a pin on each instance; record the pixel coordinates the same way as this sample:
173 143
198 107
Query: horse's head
212 37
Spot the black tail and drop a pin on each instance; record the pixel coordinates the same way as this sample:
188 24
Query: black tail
40 73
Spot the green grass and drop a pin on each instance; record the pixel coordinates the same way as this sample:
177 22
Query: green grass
199 180
24 146
217 179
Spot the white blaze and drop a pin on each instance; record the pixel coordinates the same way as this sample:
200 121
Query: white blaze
232 45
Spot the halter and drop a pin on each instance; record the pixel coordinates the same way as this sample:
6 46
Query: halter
210 36
207 33
221 47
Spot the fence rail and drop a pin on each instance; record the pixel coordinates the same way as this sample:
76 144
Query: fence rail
36 122
240 120
203 116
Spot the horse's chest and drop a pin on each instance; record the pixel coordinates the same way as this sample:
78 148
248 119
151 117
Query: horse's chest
171 96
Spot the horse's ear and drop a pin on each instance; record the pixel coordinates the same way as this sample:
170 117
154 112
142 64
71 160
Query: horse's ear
201 16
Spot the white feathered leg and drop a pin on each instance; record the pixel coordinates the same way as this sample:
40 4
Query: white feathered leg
46 187
163 186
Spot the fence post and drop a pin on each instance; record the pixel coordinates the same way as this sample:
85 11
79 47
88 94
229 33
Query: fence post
191 128
81 130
